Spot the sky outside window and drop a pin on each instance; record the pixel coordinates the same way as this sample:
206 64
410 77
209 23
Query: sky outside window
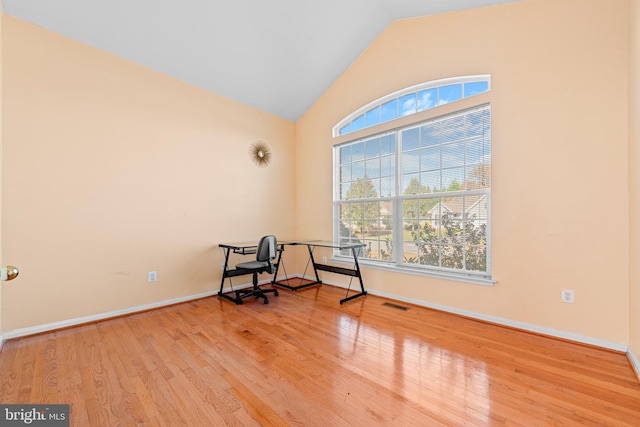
414 102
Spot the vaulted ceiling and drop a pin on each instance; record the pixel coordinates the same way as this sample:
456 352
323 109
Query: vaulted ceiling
278 56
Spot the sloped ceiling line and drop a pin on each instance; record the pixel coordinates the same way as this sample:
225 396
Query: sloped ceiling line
277 56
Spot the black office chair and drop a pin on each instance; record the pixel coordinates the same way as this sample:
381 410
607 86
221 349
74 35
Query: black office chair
264 263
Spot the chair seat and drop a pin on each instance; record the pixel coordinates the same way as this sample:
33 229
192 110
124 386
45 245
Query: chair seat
265 255
253 265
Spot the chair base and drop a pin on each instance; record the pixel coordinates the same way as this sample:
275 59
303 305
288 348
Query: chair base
256 291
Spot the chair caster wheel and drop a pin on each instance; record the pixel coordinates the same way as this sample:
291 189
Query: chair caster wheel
275 293
266 301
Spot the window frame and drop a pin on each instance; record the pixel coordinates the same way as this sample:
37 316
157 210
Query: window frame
397 263
436 85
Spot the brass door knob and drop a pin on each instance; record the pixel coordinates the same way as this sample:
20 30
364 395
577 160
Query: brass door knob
9 272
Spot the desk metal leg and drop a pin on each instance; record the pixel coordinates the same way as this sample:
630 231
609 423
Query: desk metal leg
226 274
306 285
313 262
277 265
353 272
359 276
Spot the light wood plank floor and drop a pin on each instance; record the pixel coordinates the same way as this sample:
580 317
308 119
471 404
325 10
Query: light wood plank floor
304 360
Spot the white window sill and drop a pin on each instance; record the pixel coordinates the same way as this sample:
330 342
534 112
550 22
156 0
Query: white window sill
475 280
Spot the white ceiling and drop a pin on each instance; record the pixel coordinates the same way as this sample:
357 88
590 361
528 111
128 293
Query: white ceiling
278 56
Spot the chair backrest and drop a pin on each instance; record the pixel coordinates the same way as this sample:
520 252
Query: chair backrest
266 248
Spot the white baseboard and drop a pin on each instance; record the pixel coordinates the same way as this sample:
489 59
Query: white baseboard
101 316
110 314
635 363
497 320
491 319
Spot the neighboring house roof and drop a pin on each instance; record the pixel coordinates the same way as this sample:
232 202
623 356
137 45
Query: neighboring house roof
385 208
457 205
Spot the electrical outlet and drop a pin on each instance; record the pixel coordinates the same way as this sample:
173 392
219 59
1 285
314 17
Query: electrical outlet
324 259
222 266
152 276
568 296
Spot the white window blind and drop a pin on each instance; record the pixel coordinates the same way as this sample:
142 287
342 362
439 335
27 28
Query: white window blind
446 188
419 197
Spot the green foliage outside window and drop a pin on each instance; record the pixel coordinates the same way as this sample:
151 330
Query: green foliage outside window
459 244
361 217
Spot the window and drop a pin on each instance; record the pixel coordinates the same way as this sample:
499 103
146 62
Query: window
419 196
412 100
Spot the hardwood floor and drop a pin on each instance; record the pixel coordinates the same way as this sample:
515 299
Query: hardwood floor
305 360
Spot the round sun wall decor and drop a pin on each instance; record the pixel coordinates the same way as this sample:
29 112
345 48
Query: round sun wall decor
260 153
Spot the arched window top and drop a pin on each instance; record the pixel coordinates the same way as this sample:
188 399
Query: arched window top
411 100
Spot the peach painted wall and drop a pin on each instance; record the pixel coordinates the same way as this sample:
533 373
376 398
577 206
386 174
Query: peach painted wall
1 174
560 155
113 170
634 169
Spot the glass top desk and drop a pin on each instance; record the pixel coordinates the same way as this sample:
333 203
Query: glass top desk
248 248
311 245
242 248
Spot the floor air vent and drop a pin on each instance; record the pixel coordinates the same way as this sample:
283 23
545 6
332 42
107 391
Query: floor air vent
396 306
